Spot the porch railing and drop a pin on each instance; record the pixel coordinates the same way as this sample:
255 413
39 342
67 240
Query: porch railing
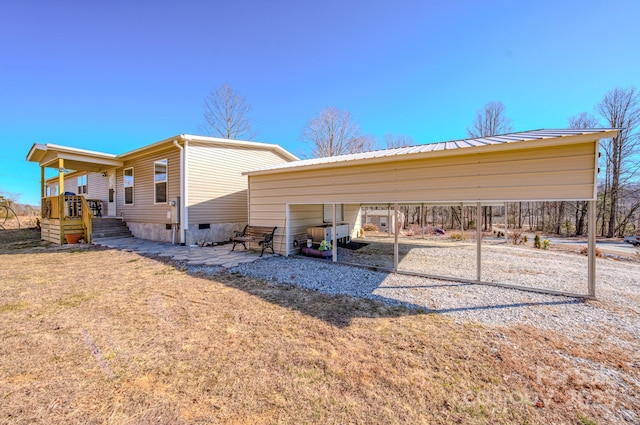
63 207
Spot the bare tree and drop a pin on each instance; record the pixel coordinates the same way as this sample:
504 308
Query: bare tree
490 121
226 114
392 141
581 121
621 109
333 132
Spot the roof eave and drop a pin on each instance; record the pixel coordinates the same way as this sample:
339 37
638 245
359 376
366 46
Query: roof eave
207 139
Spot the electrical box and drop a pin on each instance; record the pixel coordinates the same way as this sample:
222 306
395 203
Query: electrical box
175 210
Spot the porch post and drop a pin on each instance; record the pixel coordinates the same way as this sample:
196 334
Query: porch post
591 252
61 203
60 176
42 191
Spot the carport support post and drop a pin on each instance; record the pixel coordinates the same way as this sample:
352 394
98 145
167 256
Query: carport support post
395 237
591 228
479 242
334 242
506 223
462 220
422 219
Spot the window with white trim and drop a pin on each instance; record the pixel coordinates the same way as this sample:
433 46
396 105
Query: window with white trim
160 181
82 184
128 186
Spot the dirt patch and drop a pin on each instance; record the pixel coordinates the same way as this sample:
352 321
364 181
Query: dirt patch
105 336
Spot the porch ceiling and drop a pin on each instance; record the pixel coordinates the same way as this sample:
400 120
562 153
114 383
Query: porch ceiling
74 159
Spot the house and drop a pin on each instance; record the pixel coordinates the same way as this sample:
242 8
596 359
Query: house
383 219
540 165
182 189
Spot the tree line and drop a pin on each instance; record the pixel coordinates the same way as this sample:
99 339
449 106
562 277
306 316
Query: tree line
333 132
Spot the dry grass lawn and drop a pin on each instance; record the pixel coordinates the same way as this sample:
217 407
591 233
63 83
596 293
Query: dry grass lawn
110 337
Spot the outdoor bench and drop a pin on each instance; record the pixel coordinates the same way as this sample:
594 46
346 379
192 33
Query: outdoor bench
261 234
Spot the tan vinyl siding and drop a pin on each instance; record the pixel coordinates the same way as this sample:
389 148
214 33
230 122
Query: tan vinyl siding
217 188
71 184
144 209
302 217
527 174
97 186
549 173
353 217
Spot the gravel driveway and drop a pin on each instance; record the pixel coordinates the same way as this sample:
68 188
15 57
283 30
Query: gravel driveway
617 308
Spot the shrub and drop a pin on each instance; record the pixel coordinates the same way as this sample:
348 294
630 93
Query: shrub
456 236
536 242
515 237
370 227
546 244
413 230
585 251
525 239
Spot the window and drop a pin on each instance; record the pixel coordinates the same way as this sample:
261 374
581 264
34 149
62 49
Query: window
82 184
160 180
128 186
328 213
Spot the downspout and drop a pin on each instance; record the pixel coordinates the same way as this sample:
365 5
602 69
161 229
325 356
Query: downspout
183 201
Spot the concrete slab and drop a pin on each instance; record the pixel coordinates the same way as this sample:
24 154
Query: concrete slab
220 255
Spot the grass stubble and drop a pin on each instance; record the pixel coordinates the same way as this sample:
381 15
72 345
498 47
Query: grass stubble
110 337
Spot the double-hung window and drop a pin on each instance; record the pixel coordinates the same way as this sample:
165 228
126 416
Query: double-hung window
128 186
82 184
160 181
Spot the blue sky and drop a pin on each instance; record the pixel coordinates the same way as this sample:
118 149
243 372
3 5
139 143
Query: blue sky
114 76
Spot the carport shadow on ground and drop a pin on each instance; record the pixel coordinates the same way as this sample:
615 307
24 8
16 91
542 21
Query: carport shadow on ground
340 309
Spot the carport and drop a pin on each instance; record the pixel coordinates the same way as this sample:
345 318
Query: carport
540 165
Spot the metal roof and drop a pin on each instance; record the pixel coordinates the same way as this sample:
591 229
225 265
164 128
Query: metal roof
408 151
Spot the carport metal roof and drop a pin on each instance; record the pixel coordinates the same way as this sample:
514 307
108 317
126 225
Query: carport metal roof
527 138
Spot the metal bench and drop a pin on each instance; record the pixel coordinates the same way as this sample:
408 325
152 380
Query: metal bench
261 235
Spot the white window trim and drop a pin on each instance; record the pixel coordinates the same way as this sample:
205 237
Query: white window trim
166 181
82 189
124 187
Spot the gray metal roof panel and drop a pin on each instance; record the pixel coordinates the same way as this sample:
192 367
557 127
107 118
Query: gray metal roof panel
440 146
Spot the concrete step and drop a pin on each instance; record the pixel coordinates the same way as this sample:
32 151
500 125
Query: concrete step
109 228
106 238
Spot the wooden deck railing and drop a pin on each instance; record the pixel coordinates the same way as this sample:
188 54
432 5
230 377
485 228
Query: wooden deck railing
68 207
87 217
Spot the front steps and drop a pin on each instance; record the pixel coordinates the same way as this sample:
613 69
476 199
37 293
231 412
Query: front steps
109 228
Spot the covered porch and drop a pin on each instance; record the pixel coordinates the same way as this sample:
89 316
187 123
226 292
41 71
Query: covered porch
65 213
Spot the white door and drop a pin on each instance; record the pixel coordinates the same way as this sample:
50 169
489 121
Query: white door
111 205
